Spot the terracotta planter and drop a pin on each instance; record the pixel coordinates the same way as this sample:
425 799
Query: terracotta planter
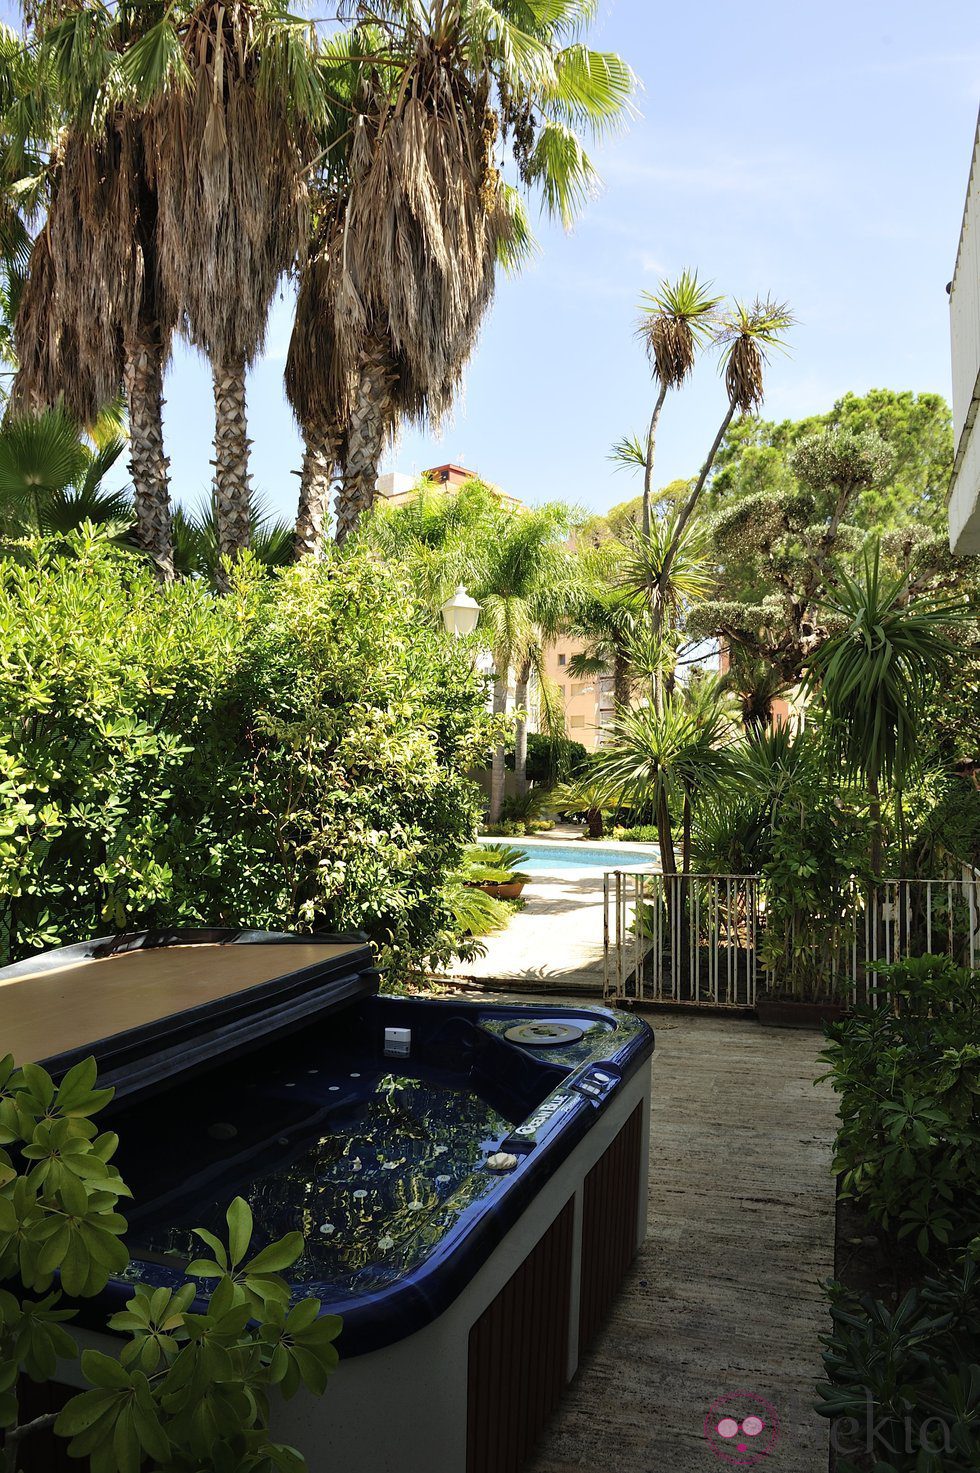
787 1012
502 890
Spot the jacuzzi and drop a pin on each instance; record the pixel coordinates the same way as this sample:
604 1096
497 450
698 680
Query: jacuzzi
267 1066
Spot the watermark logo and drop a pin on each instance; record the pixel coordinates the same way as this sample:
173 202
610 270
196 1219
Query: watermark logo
741 1428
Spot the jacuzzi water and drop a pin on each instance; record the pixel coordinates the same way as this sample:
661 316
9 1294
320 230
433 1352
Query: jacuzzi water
372 1166
543 859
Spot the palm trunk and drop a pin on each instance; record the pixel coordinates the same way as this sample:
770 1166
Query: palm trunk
665 839
497 766
319 459
648 466
621 680
686 838
148 465
520 730
687 512
232 486
371 418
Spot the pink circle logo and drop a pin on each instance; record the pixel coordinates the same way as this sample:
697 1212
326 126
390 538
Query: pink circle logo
741 1428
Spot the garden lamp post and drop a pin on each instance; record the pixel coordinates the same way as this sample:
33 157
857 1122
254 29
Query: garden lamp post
460 614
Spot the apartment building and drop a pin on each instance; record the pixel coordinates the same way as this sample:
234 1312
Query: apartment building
588 702
964 314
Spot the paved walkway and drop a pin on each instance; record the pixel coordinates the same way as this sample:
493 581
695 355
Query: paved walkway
555 942
725 1294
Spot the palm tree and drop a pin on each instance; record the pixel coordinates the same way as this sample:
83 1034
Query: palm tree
92 316
426 215
529 589
677 320
607 619
231 142
51 480
197 552
747 336
874 680
666 758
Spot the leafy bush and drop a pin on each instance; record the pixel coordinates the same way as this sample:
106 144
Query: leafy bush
643 833
903 1384
551 760
511 829
189 1390
909 1080
289 755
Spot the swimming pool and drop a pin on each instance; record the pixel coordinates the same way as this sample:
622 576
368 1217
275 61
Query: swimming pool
548 859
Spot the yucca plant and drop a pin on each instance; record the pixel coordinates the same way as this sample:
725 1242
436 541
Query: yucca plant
874 680
677 320
747 336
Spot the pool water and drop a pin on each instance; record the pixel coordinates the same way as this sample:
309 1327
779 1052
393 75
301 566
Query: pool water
547 859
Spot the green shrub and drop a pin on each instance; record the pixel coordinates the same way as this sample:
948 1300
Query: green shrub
644 833
509 829
909 1080
903 1383
287 756
550 760
188 1390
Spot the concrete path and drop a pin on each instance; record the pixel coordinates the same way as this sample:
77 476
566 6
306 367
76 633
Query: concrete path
724 1296
555 942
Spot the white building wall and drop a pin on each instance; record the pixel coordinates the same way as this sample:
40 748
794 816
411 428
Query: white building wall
964 309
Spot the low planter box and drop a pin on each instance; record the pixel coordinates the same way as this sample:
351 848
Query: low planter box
502 889
789 1012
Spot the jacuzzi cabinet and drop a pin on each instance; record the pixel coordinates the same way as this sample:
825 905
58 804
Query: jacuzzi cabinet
470 1179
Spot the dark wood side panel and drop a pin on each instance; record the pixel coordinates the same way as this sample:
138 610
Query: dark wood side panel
518 1352
42 1452
611 1202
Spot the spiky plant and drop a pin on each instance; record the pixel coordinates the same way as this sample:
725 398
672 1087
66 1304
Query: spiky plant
874 679
676 321
747 336
665 757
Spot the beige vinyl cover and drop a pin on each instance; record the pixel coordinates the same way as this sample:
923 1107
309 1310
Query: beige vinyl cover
52 1011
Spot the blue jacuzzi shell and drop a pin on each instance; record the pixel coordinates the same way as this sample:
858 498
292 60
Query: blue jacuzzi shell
553 1109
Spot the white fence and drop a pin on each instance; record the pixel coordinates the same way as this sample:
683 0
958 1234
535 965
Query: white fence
697 938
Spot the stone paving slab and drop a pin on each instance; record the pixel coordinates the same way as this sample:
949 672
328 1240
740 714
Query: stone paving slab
725 1294
553 944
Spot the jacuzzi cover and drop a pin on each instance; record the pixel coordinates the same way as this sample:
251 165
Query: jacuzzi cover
152 1005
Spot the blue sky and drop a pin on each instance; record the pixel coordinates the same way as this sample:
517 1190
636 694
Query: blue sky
816 151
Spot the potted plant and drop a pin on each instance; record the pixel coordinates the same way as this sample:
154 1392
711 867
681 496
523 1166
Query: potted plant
493 868
811 885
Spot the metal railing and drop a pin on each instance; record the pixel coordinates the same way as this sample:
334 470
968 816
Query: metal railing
698 938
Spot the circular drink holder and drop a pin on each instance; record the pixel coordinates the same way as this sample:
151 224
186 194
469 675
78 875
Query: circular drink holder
544 1033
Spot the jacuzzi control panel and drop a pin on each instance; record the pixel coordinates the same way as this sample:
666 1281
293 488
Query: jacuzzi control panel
596 1083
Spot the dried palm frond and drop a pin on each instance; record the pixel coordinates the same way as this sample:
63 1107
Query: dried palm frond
86 276
747 336
227 165
677 320
425 224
